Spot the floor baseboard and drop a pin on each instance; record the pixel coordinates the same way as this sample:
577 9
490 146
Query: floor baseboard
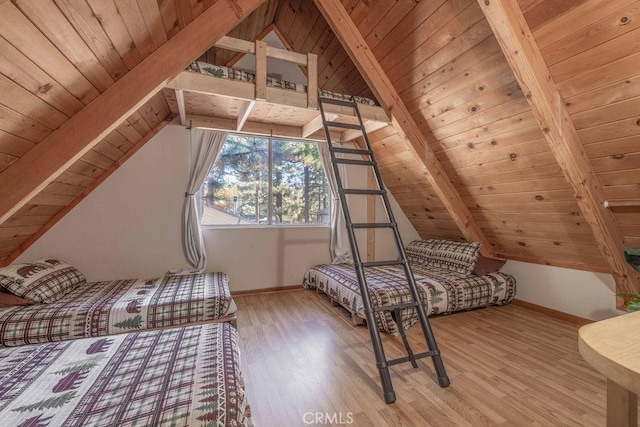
577 320
267 290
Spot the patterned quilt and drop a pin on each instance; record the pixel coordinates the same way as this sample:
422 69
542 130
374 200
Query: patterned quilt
443 291
180 377
106 308
246 76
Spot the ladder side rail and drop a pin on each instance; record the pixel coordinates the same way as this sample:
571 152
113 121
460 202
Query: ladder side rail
443 379
381 360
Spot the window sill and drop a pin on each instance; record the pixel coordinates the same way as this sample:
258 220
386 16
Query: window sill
249 226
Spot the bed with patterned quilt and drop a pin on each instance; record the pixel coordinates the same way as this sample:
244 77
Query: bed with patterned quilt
187 376
61 305
444 275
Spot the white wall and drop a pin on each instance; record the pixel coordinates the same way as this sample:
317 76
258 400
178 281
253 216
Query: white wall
130 227
580 293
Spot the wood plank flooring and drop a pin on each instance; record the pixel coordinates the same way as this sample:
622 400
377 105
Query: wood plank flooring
508 366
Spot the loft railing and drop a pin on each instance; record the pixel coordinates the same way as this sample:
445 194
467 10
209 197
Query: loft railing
262 51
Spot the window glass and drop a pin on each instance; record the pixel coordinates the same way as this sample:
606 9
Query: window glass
258 180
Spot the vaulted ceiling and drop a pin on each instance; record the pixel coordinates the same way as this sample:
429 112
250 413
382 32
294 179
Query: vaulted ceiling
475 107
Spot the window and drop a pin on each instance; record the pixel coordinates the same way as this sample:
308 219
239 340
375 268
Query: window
268 181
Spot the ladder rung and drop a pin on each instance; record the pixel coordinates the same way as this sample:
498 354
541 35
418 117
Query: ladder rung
393 307
372 225
344 103
406 358
363 192
353 151
382 263
342 125
356 162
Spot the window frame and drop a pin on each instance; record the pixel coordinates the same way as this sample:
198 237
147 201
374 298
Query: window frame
270 140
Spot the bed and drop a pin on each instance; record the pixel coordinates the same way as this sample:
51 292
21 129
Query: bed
443 273
188 376
89 309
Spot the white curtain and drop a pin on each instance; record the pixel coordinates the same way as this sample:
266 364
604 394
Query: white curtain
205 145
339 247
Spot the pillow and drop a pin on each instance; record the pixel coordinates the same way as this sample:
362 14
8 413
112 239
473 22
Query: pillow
42 281
418 251
486 265
460 257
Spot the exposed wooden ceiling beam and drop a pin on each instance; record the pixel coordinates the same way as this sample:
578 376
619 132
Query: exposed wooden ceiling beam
315 124
369 127
253 128
244 113
526 61
370 69
182 108
38 167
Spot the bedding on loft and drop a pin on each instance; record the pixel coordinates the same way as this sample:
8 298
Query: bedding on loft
78 309
444 276
178 376
249 77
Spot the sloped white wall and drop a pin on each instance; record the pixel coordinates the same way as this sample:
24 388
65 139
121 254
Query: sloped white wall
130 227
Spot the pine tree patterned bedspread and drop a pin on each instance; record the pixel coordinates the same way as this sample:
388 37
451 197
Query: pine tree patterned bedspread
181 377
443 290
107 308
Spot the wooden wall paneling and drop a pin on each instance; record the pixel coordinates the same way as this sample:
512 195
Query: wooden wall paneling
614 72
115 28
184 12
50 21
599 31
19 125
135 22
576 20
13 145
514 35
21 70
492 91
84 168
116 139
406 30
107 150
71 178
475 35
608 94
22 101
94 158
169 16
547 10
605 53
448 24
25 37
150 10
473 64
50 221
607 113
479 119
138 123
310 31
84 21
493 130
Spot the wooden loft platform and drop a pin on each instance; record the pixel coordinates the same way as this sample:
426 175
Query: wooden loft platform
206 101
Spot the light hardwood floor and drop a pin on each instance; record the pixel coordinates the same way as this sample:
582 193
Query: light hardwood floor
508 366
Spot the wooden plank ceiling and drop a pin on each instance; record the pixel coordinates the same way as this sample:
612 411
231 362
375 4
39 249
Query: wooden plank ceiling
441 57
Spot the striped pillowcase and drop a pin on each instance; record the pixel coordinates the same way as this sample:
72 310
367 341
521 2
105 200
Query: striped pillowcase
42 281
460 257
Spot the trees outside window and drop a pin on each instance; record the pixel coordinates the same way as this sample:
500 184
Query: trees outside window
269 181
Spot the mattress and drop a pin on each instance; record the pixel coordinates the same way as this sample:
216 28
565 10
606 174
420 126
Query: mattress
120 306
443 291
249 77
181 377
